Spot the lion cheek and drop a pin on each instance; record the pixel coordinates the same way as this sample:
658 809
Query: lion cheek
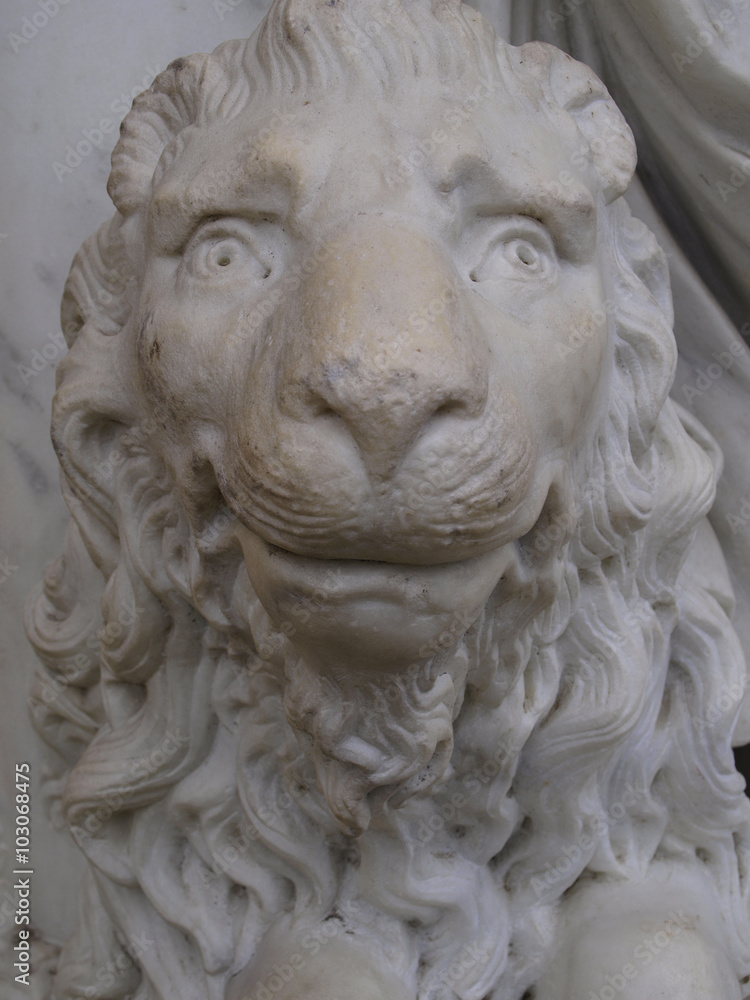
577 406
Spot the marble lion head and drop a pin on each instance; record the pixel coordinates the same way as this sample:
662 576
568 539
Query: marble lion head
381 639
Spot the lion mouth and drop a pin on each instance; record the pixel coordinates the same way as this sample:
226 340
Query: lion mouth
341 578
448 501
370 612
358 529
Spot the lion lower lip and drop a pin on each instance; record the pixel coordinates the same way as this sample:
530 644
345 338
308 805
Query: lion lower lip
392 563
439 587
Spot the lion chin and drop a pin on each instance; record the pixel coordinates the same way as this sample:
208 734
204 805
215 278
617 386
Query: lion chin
389 650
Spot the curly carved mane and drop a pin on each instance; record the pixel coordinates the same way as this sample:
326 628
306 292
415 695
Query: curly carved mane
586 727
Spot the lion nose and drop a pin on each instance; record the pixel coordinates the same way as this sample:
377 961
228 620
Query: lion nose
382 343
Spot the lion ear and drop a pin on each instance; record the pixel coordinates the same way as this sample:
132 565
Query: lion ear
580 92
189 92
158 115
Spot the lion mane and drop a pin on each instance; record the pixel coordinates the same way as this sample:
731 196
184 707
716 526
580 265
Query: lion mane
592 711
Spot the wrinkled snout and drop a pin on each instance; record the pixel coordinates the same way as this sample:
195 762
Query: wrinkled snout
378 340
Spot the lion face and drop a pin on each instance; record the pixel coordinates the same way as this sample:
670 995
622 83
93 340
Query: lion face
405 410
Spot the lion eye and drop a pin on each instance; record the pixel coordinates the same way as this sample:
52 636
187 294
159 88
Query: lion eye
220 255
224 254
516 255
523 254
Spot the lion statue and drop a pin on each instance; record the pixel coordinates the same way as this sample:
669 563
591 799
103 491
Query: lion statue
389 652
